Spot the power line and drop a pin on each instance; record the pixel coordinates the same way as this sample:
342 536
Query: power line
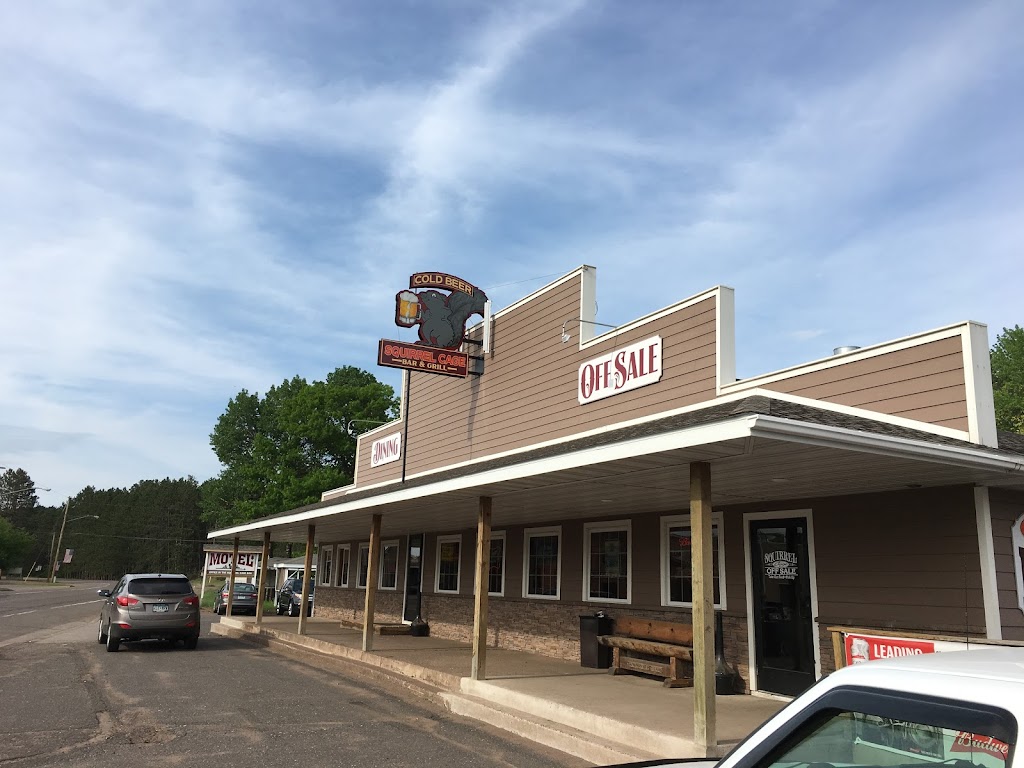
132 538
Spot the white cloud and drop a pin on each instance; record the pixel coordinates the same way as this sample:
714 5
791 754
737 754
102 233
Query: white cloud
200 199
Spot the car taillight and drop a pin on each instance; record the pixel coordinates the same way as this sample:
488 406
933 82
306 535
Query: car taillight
191 600
125 601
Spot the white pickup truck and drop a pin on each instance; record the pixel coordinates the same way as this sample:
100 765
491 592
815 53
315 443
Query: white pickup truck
960 709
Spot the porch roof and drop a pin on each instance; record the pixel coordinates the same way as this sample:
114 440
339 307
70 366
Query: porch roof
761 447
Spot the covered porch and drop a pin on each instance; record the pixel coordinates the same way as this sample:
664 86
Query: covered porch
755 449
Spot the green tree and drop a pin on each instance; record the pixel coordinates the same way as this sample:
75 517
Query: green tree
1007 361
14 545
17 492
154 526
19 507
283 450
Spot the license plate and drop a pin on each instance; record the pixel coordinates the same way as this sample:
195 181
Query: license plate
160 608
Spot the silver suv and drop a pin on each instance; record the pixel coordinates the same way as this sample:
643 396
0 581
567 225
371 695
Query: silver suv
149 605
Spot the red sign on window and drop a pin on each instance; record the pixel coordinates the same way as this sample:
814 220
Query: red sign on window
861 648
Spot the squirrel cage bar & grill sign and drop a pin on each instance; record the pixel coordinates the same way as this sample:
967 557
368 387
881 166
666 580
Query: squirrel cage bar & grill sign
441 318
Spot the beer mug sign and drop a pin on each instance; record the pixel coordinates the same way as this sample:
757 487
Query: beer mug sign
408 310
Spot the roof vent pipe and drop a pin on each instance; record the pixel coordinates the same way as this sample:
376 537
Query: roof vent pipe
844 350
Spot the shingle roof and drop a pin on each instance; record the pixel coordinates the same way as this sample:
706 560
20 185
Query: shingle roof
755 405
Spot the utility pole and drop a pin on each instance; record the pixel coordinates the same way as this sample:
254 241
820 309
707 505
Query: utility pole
53 565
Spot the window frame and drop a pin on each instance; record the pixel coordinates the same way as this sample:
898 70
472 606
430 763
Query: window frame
363 547
610 526
341 580
325 566
438 541
667 523
398 557
532 533
496 535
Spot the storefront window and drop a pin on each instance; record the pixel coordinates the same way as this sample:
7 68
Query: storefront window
543 560
607 566
326 561
449 552
364 564
389 565
343 557
496 568
677 561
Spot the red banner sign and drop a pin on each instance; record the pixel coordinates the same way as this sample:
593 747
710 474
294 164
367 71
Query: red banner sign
861 648
419 357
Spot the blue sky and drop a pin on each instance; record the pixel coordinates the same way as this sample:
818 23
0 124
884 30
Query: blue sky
204 197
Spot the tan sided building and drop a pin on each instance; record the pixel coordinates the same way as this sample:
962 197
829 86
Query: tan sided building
862 504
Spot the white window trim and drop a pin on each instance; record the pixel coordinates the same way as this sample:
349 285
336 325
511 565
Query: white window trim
528 534
504 562
398 565
337 570
325 570
457 537
359 565
674 520
605 527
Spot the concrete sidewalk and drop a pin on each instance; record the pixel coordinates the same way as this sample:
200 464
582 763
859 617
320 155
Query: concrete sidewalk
585 712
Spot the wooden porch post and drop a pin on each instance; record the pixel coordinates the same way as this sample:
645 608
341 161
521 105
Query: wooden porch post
264 557
704 720
483 561
307 578
231 577
371 583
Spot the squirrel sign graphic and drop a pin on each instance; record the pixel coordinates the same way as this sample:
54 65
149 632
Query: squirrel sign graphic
441 317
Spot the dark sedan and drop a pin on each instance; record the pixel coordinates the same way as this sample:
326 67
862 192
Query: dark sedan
245 600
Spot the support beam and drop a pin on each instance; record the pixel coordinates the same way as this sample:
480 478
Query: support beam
704 718
262 584
307 578
231 578
371 582
483 561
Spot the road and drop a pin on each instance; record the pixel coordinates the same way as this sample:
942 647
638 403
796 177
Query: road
65 701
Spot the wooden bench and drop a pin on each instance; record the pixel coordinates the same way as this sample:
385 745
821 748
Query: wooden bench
660 648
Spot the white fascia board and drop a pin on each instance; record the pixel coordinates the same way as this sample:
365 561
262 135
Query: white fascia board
656 315
981 409
777 428
725 338
530 297
863 413
738 428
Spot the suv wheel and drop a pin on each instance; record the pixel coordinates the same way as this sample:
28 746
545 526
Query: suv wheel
191 642
113 643
101 636
293 609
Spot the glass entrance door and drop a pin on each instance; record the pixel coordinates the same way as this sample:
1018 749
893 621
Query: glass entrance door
781 605
413 578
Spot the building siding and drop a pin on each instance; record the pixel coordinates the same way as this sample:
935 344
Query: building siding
924 382
527 394
917 569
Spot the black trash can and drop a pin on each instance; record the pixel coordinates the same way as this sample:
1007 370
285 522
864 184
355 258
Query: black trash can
592 653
